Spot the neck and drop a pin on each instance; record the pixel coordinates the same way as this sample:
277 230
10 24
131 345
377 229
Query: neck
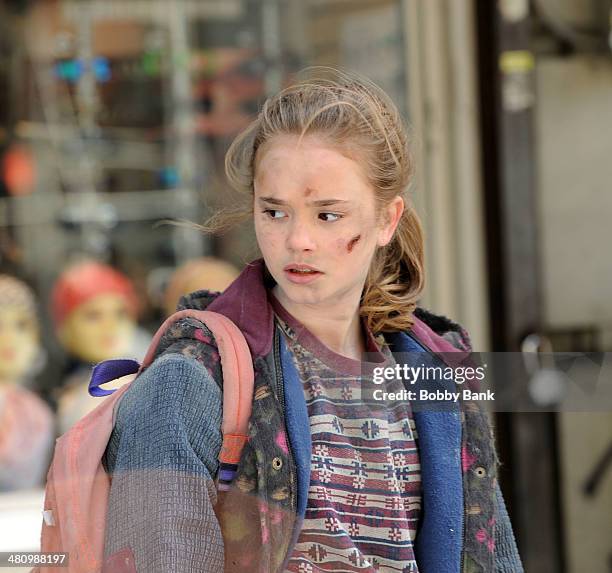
338 328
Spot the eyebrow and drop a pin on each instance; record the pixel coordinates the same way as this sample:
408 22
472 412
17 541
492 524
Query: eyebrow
318 203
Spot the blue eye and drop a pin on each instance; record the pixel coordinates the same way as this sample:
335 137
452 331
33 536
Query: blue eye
272 212
336 215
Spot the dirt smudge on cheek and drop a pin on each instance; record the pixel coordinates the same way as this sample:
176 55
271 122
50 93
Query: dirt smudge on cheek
345 246
351 244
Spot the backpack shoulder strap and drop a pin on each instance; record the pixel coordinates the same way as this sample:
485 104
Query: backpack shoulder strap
238 380
238 384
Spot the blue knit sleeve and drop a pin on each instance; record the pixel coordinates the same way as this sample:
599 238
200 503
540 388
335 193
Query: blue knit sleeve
507 559
162 457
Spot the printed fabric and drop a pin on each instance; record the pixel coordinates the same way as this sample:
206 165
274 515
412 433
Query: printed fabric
364 499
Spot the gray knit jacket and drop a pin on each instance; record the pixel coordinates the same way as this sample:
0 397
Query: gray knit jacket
163 450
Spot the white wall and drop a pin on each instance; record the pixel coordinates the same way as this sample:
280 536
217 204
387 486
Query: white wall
574 130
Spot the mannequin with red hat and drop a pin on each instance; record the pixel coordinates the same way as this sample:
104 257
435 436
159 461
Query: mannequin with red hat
26 422
94 309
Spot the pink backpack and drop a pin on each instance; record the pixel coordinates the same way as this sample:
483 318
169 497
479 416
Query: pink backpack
76 496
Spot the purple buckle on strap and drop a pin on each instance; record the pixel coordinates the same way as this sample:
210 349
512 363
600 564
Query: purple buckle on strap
109 370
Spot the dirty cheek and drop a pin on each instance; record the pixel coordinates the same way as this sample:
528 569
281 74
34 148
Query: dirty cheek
267 235
346 245
351 244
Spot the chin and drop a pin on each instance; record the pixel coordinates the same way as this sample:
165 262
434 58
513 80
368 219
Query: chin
296 292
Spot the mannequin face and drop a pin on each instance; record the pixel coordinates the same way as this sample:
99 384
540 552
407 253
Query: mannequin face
99 329
19 343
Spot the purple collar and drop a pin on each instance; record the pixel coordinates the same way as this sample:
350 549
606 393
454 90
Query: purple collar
245 302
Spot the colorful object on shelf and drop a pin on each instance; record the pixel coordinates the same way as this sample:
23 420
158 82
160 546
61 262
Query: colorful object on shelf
169 177
19 170
204 273
69 70
26 422
152 63
101 69
72 70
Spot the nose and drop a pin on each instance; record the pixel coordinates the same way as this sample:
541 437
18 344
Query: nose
300 236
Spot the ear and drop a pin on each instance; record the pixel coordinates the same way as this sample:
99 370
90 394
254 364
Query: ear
391 216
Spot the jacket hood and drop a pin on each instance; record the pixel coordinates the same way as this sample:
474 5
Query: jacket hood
246 303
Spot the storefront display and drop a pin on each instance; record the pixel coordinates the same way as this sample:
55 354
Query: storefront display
120 119
116 118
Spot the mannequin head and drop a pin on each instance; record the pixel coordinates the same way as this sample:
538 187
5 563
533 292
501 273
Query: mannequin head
203 273
94 309
19 330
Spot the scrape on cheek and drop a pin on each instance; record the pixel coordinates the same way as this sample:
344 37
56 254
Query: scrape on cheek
351 244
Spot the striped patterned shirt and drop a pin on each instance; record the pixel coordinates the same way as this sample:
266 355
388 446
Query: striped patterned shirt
364 498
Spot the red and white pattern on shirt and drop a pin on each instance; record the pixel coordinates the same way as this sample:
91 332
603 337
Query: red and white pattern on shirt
364 499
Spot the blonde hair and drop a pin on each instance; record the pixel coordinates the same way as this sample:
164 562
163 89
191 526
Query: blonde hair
356 116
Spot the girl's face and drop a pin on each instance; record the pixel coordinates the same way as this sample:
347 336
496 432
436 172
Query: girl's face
314 206
19 342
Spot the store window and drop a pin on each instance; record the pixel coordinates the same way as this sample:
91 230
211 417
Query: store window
114 119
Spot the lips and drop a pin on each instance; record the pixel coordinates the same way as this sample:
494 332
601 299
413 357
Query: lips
299 273
300 267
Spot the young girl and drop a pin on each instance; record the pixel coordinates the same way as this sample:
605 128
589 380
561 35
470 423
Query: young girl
328 481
